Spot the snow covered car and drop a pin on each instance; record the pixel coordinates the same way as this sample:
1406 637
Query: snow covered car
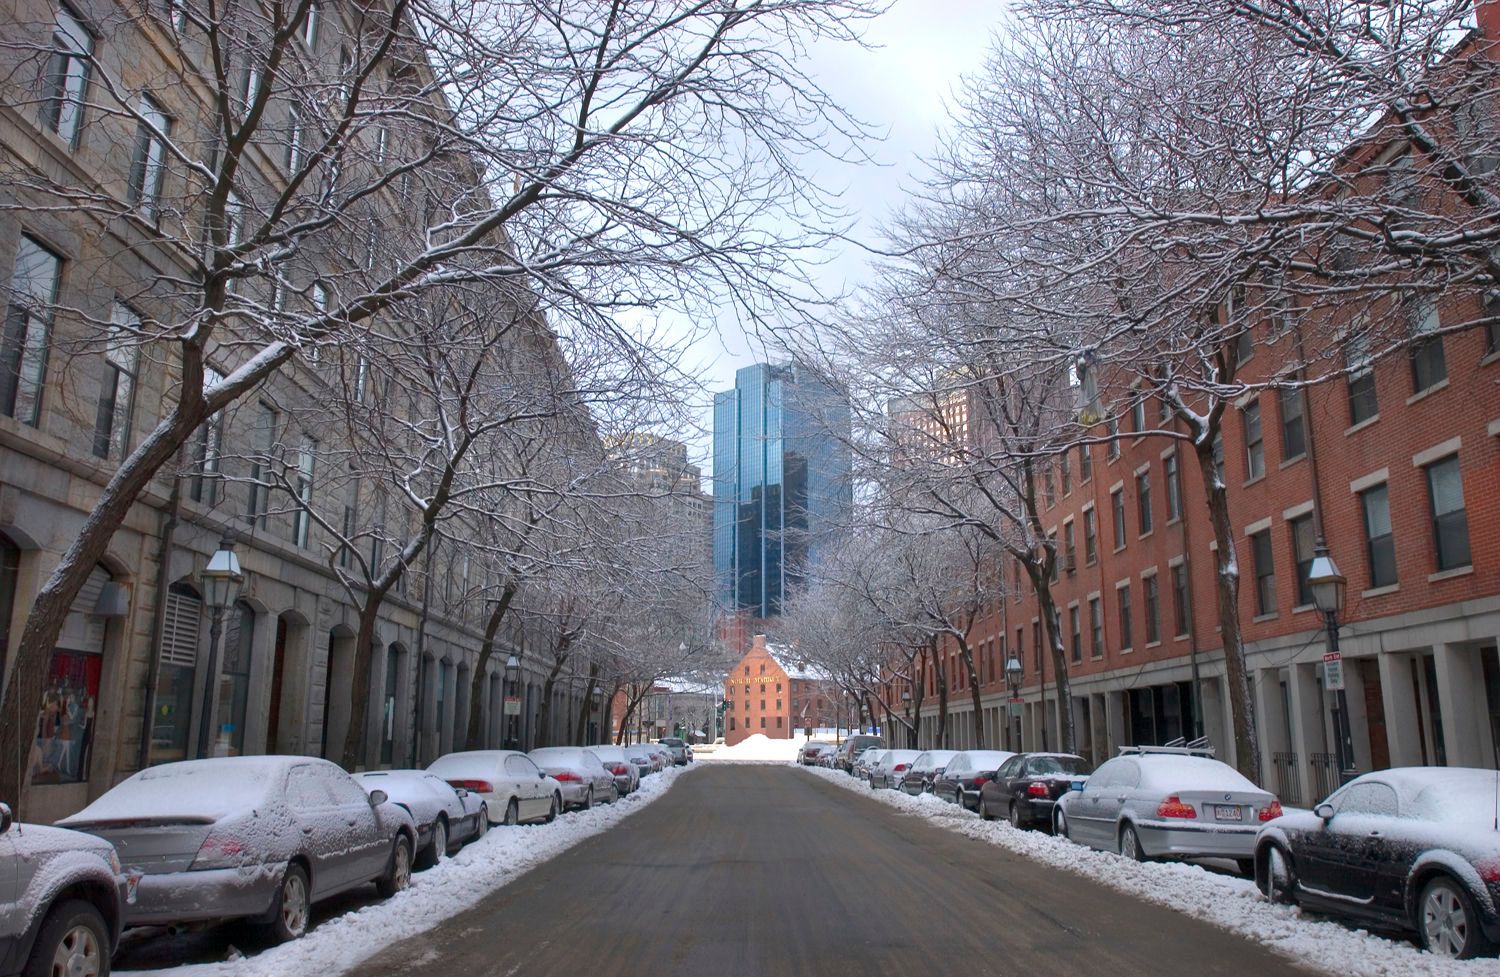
513 788
248 837
627 775
581 774
919 774
681 753
966 774
1414 848
62 892
1026 788
647 761
812 751
851 748
891 767
866 761
445 816
1166 802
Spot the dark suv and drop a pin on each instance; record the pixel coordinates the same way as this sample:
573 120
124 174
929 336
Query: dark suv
851 748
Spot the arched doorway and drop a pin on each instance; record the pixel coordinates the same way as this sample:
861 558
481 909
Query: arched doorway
395 664
288 674
234 681
338 691
172 717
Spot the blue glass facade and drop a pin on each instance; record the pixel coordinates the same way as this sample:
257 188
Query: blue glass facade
781 483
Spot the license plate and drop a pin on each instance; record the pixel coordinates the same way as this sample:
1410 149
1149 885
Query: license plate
1228 812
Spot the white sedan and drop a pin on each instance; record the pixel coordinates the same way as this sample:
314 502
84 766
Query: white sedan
513 788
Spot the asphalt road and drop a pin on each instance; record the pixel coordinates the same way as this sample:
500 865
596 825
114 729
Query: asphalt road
767 872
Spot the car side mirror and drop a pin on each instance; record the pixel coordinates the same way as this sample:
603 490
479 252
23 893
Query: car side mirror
378 797
7 818
1324 811
541 775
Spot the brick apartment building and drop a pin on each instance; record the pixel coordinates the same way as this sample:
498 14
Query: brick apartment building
772 693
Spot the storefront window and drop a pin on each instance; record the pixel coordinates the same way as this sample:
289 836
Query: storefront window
173 714
234 680
65 723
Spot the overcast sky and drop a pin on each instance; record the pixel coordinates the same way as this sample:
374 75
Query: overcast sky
902 87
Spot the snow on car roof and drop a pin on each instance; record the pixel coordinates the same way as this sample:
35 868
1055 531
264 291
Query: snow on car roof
207 789
1454 795
485 760
1179 772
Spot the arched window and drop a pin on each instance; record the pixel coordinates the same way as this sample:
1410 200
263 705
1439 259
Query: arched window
173 716
234 680
65 723
388 704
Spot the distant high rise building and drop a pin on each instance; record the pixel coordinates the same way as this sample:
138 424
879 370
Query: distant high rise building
781 483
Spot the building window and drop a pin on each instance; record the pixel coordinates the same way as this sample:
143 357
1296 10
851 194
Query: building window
1143 500
1117 510
1255 447
310 26
1174 488
1049 487
28 325
1304 548
117 387
1363 404
1450 521
1182 613
148 165
1056 560
306 458
1265 572
762 722
778 722
67 80
1428 366
1090 536
1122 594
234 681
1036 643
1380 541
1065 467
1153 609
1096 627
208 450
1085 463
172 719
293 138
1075 627
1293 427
1113 450
260 465
1070 548
1138 414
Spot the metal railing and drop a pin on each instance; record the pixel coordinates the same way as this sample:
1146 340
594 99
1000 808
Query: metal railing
1325 771
1288 784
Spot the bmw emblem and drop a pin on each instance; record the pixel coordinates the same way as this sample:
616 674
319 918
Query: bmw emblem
1227 796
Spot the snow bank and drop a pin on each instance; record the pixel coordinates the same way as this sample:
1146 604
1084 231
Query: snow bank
502 855
758 749
1228 902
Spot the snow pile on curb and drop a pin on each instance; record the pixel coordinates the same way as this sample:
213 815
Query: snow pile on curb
1230 903
501 856
758 749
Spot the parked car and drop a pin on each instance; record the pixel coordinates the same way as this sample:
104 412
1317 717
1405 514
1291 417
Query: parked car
712 746
1152 802
1414 848
580 773
682 753
445 816
851 748
812 751
1027 786
646 759
627 775
250 837
965 774
865 761
667 760
513 788
62 893
891 767
918 776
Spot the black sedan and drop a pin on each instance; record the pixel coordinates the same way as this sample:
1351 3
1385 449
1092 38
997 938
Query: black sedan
1413 848
1027 786
965 774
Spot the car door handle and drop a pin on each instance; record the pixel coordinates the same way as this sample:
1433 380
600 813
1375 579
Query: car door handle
1121 798
1374 834
307 829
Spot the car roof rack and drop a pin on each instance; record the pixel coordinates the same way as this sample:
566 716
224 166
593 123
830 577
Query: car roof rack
1180 746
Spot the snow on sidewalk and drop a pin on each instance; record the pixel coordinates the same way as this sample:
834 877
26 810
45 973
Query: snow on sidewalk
1228 902
501 856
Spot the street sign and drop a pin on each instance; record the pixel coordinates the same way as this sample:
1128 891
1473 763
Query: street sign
1333 672
512 705
1016 702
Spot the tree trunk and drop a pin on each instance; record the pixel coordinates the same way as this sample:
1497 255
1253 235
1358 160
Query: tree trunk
1052 628
1227 594
544 714
582 736
967 653
474 736
940 672
354 737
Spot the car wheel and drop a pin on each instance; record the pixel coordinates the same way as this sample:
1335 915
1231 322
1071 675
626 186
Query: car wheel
398 876
1015 817
1447 923
74 942
290 914
1279 884
1130 844
512 813
984 812
482 825
1246 867
1060 826
438 850
588 800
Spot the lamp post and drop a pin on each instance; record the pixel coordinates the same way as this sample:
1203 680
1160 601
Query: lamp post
512 701
221 588
1013 676
1328 586
911 734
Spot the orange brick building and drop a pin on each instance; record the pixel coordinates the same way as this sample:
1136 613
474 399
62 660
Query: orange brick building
771 693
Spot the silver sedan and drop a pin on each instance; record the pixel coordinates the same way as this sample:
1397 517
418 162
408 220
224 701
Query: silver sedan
581 774
445 816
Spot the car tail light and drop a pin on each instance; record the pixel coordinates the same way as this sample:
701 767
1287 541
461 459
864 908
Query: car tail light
1173 807
568 777
618 769
477 786
1489 869
981 781
219 850
899 767
1271 811
1037 790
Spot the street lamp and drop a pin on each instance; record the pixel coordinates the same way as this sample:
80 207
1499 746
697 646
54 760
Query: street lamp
906 707
512 701
221 581
1328 587
1013 671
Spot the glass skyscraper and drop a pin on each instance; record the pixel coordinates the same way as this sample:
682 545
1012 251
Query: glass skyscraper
781 483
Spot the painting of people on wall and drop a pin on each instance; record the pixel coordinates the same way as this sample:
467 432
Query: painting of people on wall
65 725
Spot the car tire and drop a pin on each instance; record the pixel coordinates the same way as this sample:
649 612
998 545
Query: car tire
1130 844
481 826
1060 826
74 939
512 813
1279 882
552 811
438 849
1246 867
1016 821
1447 922
588 800
293 906
984 812
398 875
